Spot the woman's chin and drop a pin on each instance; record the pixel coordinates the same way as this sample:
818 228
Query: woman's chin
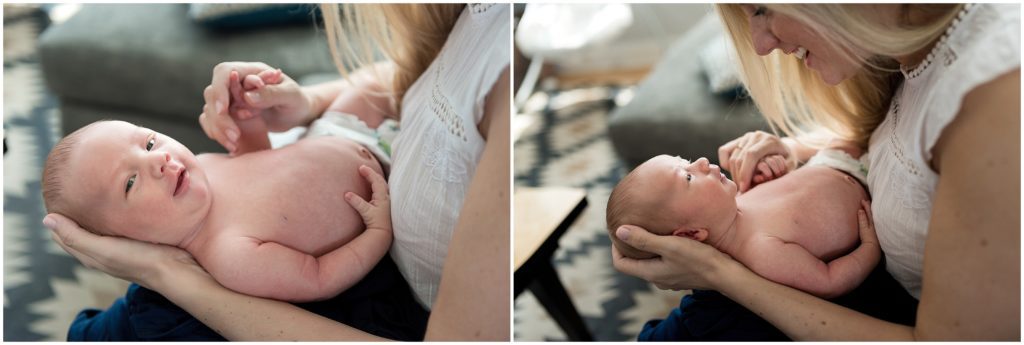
831 80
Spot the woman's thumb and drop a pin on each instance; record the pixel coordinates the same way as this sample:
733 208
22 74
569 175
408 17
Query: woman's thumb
638 238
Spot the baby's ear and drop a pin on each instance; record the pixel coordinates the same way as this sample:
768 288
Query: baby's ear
692 233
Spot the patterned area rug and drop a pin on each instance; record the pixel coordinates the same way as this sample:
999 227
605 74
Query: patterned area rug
565 144
44 287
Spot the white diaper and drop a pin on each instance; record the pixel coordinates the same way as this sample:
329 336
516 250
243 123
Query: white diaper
839 160
378 141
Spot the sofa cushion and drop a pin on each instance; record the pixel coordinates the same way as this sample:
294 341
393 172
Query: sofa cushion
719 67
674 112
250 15
152 58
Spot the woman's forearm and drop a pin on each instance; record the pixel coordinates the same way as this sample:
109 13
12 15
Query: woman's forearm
370 79
473 297
236 316
802 316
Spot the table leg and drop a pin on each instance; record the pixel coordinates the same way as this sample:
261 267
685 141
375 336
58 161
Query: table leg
551 294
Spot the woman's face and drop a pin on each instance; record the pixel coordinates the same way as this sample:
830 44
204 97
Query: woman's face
772 31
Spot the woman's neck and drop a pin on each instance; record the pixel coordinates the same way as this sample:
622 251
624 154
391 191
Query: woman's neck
917 15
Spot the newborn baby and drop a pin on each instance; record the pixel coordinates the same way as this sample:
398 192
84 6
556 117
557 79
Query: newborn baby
270 223
800 229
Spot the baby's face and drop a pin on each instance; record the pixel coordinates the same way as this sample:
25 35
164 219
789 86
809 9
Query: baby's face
696 190
141 184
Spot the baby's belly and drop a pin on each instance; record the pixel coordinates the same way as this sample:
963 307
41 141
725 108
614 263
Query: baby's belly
818 209
301 204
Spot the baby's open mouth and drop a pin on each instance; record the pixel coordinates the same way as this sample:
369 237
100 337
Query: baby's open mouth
181 180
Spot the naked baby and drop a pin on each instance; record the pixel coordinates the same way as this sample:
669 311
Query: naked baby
800 229
257 225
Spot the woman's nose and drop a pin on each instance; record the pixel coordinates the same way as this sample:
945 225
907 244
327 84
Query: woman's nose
764 40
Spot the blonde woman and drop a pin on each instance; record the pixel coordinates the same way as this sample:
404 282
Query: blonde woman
933 93
446 80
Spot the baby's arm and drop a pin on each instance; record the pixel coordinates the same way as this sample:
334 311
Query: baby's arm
269 269
791 264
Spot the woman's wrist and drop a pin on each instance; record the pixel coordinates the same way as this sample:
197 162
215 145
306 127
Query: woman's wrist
314 105
724 271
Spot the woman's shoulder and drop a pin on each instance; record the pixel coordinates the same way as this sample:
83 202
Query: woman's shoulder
983 44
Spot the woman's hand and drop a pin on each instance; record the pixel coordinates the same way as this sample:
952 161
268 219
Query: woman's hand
131 260
269 93
743 155
683 263
377 212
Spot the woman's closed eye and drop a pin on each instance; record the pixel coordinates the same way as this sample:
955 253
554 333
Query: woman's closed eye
760 11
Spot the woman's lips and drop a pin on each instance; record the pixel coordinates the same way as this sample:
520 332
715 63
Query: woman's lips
801 52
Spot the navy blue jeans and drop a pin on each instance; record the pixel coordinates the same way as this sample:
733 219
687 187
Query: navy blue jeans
710 316
381 304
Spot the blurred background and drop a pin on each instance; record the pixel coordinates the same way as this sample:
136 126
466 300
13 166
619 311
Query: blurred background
71 64
599 89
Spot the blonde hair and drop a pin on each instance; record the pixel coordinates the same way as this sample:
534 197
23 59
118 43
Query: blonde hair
409 35
797 102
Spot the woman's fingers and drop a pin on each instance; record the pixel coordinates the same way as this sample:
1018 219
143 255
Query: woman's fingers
725 153
69 232
639 238
217 124
86 260
638 268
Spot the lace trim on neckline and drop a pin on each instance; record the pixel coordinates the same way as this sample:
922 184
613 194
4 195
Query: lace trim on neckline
921 67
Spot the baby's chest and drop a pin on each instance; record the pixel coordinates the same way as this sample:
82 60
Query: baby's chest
298 205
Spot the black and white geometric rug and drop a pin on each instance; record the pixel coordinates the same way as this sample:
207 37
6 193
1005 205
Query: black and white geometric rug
566 144
44 287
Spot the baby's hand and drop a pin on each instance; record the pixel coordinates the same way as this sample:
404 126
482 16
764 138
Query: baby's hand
376 213
240 107
770 168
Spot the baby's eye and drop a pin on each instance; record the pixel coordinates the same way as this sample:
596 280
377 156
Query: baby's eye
150 143
689 177
131 181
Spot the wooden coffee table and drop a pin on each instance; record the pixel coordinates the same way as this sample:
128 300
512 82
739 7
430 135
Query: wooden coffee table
542 215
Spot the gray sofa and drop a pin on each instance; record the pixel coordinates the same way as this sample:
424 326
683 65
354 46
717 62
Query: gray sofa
149 64
674 111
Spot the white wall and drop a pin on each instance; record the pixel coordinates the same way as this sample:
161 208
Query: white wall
654 28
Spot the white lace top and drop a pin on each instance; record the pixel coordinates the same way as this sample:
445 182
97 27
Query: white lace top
437 150
983 43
